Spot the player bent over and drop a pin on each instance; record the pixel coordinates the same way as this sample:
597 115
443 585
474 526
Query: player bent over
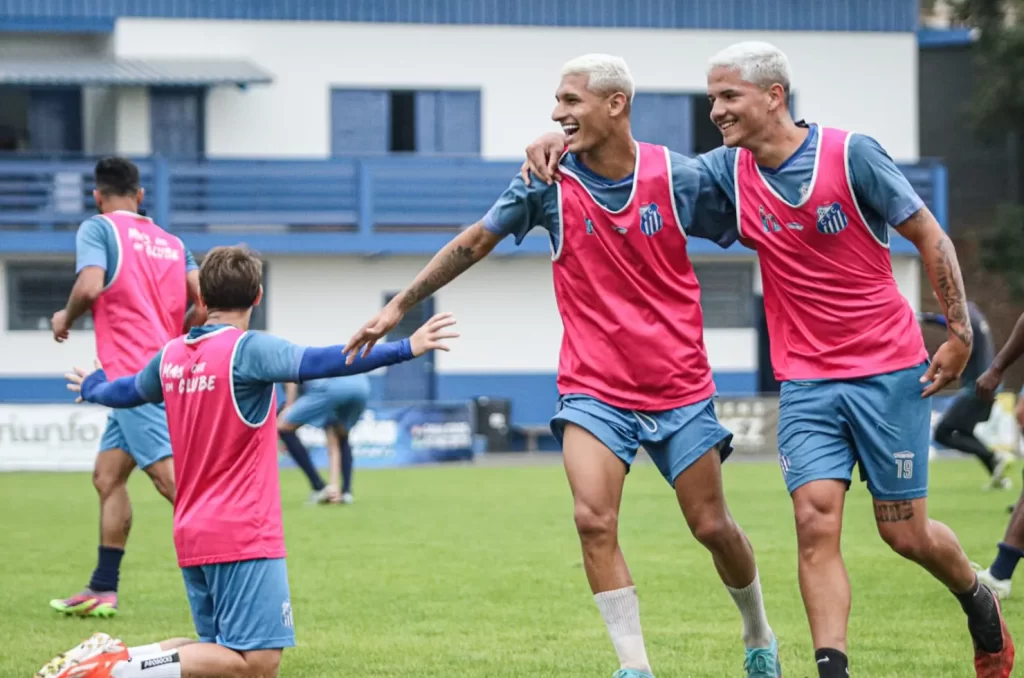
218 385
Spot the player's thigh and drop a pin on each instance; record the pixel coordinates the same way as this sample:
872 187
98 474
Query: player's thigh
313 409
813 442
965 412
599 443
891 427
146 435
677 439
348 412
252 604
200 602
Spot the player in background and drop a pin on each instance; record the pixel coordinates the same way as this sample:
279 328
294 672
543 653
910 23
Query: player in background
138 281
816 204
999 574
335 406
218 385
955 429
633 369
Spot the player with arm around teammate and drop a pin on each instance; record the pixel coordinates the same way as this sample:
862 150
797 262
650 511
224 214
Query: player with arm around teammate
633 368
218 384
816 203
137 280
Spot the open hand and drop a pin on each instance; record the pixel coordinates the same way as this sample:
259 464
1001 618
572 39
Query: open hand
76 378
947 365
430 336
373 331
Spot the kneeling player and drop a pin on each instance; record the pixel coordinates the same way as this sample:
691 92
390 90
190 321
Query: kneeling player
218 385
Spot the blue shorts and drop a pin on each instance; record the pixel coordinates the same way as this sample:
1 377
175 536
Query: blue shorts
242 606
141 432
881 423
674 439
339 403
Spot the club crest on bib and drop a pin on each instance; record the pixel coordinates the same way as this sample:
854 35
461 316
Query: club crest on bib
650 219
831 219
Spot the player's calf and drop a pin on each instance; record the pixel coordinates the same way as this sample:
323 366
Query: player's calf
162 475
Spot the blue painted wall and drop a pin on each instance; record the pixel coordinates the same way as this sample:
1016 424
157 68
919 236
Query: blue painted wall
802 15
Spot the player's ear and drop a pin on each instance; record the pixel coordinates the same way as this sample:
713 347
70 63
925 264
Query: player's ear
259 297
777 97
618 104
140 195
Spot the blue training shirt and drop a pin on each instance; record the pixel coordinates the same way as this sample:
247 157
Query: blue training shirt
520 208
883 193
260 361
96 245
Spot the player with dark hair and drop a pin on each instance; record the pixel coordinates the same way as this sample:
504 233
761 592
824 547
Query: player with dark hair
955 429
218 384
138 281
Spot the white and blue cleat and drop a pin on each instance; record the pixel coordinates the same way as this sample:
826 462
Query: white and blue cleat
763 662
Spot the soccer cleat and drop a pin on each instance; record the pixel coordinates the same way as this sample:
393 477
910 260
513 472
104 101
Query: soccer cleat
997 664
81 660
320 496
88 604
346 498
763 662
631 673
999 479
1000 587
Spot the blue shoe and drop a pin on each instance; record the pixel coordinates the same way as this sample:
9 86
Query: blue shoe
631 673
763 662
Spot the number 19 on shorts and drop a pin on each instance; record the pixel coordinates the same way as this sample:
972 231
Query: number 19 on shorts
904 465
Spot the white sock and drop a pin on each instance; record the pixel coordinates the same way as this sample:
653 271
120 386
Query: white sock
756 631
162 665
143 650
621 611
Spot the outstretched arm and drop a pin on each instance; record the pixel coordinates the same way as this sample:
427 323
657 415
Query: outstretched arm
126 392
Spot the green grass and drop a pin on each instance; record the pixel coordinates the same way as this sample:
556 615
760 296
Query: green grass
475 571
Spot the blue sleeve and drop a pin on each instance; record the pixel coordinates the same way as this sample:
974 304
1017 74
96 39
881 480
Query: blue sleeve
120 394
92 244
148 383
190 261
878 184
520 208
266 359
934 318
705 209
329 361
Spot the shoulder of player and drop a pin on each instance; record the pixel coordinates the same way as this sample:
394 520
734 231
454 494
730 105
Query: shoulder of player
95 224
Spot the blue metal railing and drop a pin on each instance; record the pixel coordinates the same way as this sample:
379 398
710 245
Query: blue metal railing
368 196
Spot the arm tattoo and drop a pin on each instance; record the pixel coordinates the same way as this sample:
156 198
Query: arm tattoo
893 511
442 271
950 287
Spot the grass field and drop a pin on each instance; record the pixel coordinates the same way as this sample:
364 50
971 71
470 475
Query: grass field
475 571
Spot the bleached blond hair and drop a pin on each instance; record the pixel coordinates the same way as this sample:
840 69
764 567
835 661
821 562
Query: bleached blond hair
606 74
760 63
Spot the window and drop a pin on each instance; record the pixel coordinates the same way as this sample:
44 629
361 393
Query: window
726 293
405 121
35 291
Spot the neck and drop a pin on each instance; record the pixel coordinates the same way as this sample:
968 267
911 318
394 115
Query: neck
615 159
120 205
778 143
239 319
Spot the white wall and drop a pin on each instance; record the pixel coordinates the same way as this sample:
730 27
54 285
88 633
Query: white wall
861 81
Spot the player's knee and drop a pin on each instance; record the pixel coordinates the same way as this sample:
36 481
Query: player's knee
106 481
712 528
817 527
162 475
944 434
905 539
262 663
595 525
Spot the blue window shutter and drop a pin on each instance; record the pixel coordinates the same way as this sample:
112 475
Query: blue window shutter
427 138
55 120
458 118
177 121
665 119
360 121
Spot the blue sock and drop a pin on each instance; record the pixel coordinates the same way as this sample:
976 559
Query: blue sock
1005 562
108 570
298 452
346 466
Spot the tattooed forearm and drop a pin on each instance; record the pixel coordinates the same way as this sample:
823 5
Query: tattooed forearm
445 267
949 286
893 511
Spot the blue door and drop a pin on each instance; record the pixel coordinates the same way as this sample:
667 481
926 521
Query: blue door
176 121
360 121
448 122
55 120
665 119
413 379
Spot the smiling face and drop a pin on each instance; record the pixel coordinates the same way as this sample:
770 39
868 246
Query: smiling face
741 109
587 117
